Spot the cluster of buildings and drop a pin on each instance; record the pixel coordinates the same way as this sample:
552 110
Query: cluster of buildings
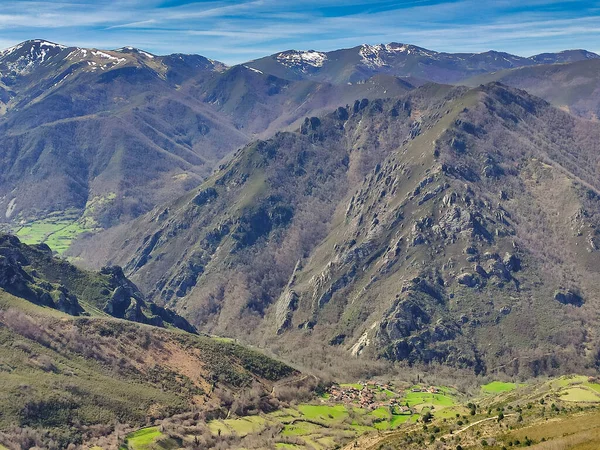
430 390
365 397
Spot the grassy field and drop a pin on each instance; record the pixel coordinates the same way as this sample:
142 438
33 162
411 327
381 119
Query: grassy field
324 425
580 394
58 231
427 399
142 439
497 387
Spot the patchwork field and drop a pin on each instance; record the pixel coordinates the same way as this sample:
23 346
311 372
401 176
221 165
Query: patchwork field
58 231
323 424
142 439
556 414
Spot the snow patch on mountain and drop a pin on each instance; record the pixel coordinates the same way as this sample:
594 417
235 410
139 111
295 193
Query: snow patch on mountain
254 70
302 60
135 50
23 58
375 56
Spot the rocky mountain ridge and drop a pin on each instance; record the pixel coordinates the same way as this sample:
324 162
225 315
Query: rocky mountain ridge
403 60
429 259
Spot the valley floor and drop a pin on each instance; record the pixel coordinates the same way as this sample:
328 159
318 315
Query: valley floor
559 413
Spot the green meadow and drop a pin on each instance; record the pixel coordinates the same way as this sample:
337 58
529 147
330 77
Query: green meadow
58 231
497 387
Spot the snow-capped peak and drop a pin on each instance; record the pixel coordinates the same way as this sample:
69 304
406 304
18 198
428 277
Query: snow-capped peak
301 59
24 57
377 55
36 45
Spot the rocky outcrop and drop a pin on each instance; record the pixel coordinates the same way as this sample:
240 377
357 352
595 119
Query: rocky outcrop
32 273
17 277
568 297
127 302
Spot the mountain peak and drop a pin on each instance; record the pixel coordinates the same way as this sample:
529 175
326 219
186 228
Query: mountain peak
24 57
375 56
31 46
136 51
300 59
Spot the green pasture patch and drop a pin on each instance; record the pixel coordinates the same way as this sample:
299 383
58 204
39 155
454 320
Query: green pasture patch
57 231
245 425
215 425
301 428
399 419
427 398
143 439
451 412
568 380
389 393
323 413
327 442
361 429
579 394
381 413
284 415
497 387
356 386
594 386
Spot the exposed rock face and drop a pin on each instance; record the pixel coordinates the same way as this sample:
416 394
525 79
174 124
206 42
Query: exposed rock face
17 281
287 304
568 297
468 279
127 302
32 273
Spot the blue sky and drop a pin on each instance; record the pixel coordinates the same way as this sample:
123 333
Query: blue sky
238 30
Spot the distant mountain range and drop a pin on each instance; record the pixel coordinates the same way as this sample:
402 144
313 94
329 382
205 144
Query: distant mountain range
107 135
402 60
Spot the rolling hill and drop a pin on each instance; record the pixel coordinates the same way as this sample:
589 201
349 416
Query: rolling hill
73 372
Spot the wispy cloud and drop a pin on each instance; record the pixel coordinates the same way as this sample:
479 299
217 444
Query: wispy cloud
238 30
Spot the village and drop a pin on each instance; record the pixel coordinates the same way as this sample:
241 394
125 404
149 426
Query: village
373 395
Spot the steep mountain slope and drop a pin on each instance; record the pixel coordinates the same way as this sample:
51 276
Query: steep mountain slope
275 196
475 246
470 242
362 62
101 132
261 104
574 87
92 138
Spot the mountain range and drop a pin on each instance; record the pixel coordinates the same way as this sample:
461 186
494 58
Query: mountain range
92 138
355 212
359 227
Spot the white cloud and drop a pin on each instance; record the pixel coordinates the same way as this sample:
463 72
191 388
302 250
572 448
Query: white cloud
237 30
